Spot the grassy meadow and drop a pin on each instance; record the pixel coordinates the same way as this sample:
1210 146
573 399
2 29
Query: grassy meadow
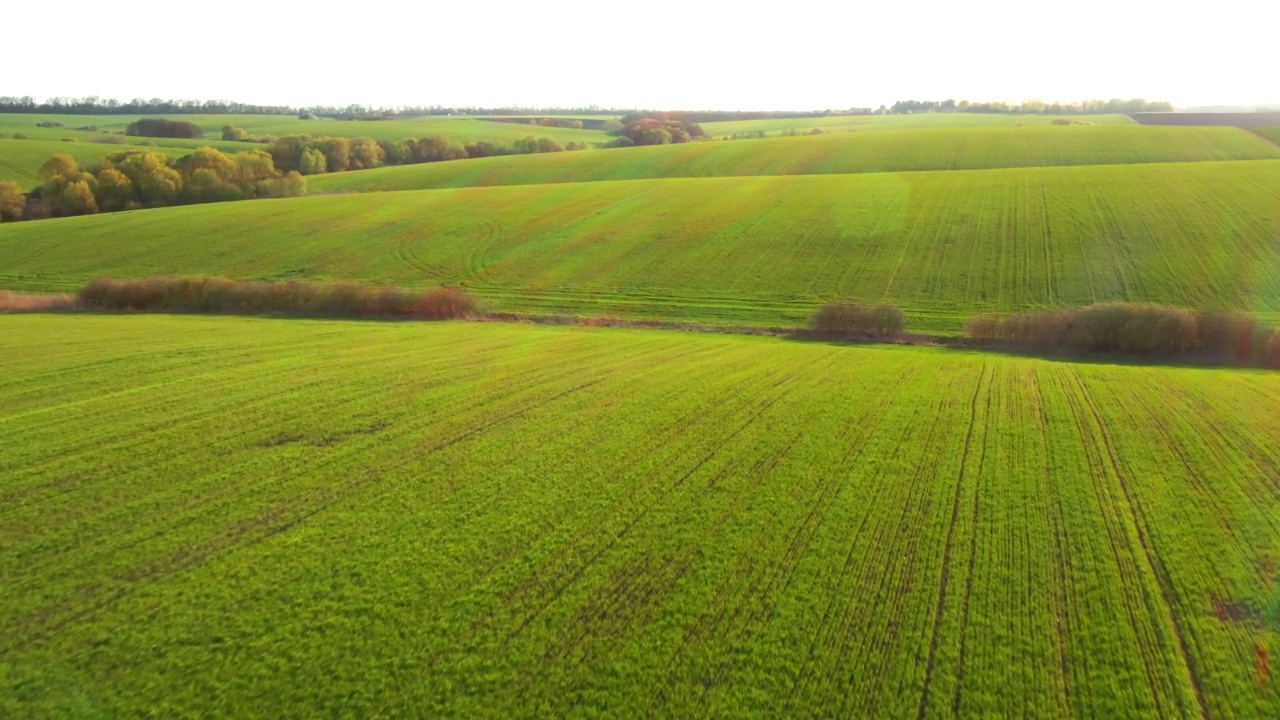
903 150
944 246
246 517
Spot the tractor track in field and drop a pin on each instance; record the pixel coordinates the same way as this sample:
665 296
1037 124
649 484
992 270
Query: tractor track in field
973 557
1119 543
1153 560
1061 598
545 600
865 434
946 554
896 581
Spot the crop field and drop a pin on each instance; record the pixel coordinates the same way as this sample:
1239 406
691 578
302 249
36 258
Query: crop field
1272 134
864 123
759 250
243 517
946 149
461 129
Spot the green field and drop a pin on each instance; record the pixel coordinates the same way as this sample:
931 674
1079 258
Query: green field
252 517
761 250
947 149
461 129
1271 134
865 123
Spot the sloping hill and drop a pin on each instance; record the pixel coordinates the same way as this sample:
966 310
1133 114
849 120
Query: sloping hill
938 149
944 245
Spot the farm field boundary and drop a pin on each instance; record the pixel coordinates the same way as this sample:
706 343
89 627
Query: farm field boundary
943 246
889 151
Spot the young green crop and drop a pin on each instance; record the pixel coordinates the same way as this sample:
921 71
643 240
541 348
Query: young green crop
231 517
933 149
943 246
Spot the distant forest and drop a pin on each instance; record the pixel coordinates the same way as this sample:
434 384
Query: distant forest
156 106
1038 107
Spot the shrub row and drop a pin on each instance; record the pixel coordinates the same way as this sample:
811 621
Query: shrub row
849 320
1140 329
293 297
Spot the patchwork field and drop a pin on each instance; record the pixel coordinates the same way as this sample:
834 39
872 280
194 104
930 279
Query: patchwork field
761 250
950 149
243 517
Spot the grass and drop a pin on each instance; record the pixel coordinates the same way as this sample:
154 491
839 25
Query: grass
245 517
1272 134
461 129
948 149
943 246
832 154
875 123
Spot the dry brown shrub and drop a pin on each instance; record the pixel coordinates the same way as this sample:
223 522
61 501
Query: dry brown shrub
34 302
294 297
845 319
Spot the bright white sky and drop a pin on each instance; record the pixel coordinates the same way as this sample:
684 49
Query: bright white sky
691 55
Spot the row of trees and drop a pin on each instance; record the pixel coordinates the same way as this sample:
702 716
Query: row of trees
94 105
314 155
1082 107
142 178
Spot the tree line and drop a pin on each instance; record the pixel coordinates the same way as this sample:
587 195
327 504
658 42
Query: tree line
93 105
310 155
134 179
1081 107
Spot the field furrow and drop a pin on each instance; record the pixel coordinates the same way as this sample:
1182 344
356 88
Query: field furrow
481 519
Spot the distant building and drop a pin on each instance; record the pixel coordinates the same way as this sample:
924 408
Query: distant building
859 111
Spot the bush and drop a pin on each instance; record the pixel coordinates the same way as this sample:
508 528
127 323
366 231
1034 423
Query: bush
222 295
844 319
162 128
109 140
19 136
231 132
13 202
1142 329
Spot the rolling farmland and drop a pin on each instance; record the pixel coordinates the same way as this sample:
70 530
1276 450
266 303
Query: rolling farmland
248 516
949 149
760 250
1271 134
461 129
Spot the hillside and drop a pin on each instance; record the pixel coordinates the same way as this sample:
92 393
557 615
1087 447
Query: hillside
937 149
760 250
618 523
